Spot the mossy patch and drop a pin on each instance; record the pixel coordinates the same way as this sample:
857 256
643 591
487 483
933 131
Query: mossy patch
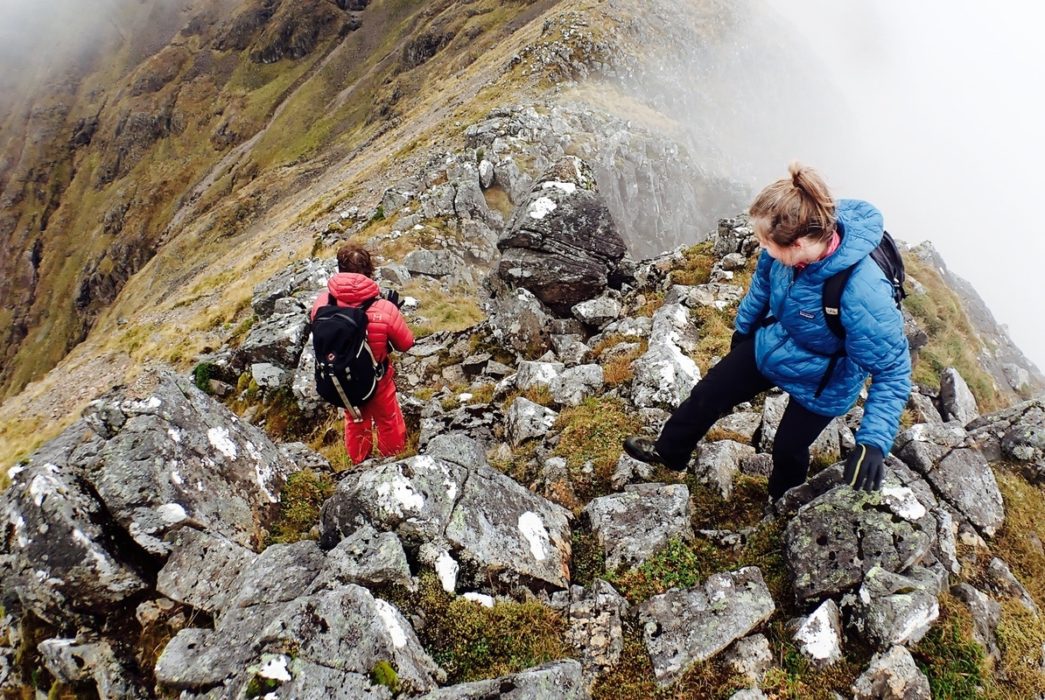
385 674
472 642
591 435
695 266
301 499
679 564
950 659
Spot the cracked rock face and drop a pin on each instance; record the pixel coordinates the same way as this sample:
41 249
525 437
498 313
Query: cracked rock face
959 474
895 609
833 540
1016 433
344 631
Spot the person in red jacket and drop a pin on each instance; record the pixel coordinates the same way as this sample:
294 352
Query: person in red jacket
386 330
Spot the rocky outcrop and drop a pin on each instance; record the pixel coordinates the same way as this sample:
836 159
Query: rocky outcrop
561 242
684 626
497 532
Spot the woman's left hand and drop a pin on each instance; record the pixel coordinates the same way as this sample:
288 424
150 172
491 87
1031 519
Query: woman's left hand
865 468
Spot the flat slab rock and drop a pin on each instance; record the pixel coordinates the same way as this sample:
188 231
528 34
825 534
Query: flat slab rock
684 626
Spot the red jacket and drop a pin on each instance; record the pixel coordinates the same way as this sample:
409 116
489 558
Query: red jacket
385 325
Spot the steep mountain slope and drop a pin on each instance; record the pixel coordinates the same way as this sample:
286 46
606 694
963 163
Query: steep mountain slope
145 198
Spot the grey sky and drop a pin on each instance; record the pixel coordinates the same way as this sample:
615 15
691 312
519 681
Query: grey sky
947 140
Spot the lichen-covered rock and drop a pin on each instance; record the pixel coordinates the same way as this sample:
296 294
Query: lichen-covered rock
749 658
672 324
956 398
73 661
892 676
277 340
892 609
684 626
595 616
201 569
561 242
90 509
576 384
518 320
498 530
664 377
633 525
834 539
345 629
1016 433
718 463
367 558
819 637
960 474
597 313
300 280
527 420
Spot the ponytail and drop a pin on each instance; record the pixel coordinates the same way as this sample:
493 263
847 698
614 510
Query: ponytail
796 207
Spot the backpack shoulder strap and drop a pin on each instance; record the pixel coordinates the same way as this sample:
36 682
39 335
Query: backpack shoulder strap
832 300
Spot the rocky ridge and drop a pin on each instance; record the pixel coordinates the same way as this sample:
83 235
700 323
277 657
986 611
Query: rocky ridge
151 515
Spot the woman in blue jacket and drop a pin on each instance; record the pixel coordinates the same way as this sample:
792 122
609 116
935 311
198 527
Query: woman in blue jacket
782 339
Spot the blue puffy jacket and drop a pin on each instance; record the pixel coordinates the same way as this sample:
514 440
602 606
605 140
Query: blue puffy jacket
794 351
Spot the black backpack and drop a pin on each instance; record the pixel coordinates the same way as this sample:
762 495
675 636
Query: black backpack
346 372
887 255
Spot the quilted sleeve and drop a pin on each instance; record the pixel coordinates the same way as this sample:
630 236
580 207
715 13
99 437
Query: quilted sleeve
875 340
755 303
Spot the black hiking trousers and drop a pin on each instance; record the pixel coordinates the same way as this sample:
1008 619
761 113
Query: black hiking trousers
733 380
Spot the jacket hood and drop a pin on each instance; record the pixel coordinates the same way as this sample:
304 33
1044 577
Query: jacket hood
352 288
861 226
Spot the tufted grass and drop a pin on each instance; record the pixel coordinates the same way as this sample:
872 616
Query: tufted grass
440 310
632 678
952 340
954 664
695 267
591 436
716 329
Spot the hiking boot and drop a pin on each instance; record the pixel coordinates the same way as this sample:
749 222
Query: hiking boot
643 449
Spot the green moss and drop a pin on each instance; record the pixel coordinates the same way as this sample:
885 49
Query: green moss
385 674
678 564
587 561
473 642
300 502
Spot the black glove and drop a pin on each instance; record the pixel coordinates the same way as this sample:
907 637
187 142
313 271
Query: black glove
393 296
739 338
865 468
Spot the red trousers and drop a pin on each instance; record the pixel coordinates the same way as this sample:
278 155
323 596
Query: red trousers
383 411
